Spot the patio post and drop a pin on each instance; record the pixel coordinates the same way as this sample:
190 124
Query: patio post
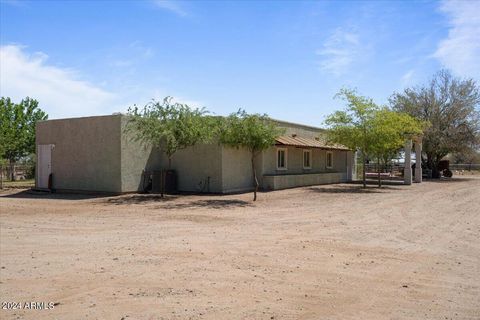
418 161
407 172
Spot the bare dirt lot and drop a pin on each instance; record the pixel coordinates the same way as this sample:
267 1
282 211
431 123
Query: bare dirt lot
323 252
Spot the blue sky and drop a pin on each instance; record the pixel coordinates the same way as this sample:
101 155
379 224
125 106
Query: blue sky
284 58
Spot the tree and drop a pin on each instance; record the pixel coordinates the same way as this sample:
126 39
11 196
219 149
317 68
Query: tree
389 131
170 125
376 132
253 132
451 105
352 127
17 128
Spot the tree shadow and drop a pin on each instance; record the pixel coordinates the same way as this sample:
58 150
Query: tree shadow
449 180
210 203
374 182
140 199
350 189
33 194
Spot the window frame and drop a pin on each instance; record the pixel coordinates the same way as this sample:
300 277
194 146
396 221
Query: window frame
309 152
326 160
285 150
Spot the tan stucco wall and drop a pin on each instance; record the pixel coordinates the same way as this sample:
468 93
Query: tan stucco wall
298 180
300 130
86 156
295 161
135 158
194 165
97 154
237 173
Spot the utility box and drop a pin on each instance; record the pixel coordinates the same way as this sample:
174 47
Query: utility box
157 179
164 180
170 181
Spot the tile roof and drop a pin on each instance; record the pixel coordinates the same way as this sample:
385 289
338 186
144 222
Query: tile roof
306 142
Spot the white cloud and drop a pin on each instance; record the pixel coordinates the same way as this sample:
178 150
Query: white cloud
62 94
460 51
15 3
407 78
59 91
170 5
339 51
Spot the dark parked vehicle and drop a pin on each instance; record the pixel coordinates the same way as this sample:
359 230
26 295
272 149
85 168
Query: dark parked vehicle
444 168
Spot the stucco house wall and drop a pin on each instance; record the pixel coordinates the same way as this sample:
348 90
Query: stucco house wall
135 158
99 154
299 129
86 155
198 168
237 173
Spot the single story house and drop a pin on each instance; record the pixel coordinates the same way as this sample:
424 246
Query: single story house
98 154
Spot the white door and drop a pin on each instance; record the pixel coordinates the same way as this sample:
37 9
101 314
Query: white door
44 164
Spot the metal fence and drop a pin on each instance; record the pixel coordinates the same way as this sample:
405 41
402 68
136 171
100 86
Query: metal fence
465 167
396 171
387 172
17 172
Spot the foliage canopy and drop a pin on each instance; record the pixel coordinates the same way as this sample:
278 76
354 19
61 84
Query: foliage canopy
451 106
254 132
376 132
170 125
17 127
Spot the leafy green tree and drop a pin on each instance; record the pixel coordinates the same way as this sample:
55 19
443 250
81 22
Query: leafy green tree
17 128
352 127
253 132
170 125
451 106
376 132
389 131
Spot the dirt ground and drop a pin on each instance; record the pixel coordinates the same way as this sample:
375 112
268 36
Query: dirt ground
323 252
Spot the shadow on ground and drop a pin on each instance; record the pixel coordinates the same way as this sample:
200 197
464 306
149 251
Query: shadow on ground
449 180
167 202
32 194
350 189
140 199
211 203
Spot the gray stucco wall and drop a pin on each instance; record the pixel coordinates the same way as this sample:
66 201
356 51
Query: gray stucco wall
86 156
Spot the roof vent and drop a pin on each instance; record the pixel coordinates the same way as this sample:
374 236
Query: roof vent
294 135
317 138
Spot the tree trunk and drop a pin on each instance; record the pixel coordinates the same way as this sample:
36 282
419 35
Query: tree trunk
432 164
163 177
12 170
379 175
162 183
364 159
255 180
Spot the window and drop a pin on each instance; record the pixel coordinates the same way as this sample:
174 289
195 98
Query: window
329 160
307 159
281 159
